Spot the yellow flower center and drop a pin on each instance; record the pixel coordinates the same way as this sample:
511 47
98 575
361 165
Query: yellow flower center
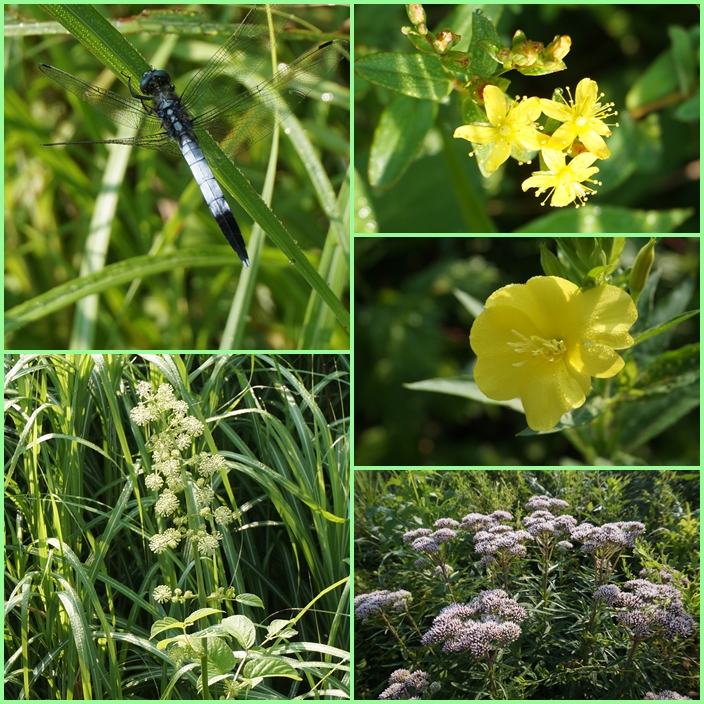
581 121
504 131
550 350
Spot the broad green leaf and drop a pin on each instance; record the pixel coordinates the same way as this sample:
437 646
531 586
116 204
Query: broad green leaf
652 332
482 30
220 656
608 218
416 75
242 629
276 625
461 386
250 600
398 136
165 624
683 57
200 613
270 667
690 110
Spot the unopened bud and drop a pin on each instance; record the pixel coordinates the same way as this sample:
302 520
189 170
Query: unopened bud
445 40
641 269
416 14
558 48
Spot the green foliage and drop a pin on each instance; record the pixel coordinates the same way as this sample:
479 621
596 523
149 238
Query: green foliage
426 178
266 613
568 649
90 226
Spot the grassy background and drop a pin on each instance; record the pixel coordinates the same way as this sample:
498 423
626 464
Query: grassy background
78 569
390 502
151 206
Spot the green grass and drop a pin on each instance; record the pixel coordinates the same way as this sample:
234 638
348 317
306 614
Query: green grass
116 249
79 573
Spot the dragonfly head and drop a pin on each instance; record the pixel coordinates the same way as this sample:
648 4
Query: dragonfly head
153 81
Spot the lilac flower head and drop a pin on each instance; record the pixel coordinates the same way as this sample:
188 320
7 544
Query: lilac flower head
365 605
446 523
648 608
545 502
473 521
488 622
413 534
407 685
610 536
443 535
543 522
425 544
665 694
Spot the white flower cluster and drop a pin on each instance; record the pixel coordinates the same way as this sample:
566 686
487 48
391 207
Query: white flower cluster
648 608
477 521
545 502
489 621
427 541
500 541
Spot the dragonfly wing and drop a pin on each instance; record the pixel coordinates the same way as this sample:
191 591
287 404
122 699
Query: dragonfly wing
236 60
122 109
246 119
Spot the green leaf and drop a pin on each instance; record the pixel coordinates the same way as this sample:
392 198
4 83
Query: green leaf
461 386
220 656
641 421
471 304
270 667
242 629
416 75
652 332
482 30
250 600
200 613
672 369
401 130
683 57
660 79
165 624
608 218
365 220
276 625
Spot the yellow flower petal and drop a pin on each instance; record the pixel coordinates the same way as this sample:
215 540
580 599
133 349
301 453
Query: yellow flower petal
543 340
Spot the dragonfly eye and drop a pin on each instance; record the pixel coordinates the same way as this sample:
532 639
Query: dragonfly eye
153 80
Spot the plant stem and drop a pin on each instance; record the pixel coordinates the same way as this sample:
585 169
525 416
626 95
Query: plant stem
398 638
491 676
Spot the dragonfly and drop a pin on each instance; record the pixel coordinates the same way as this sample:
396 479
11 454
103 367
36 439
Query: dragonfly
213 103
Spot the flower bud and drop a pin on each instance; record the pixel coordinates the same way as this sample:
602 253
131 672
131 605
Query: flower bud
445 40
416 14
558 48
641 269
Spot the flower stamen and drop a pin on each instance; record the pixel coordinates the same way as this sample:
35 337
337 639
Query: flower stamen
551 350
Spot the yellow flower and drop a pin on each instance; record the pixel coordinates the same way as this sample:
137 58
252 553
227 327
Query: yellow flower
543 341
564 181
581 118
509 124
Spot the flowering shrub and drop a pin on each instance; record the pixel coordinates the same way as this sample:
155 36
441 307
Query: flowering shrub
569 620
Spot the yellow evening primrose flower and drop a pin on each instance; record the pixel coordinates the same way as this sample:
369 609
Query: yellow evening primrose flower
509 123
581 118
543 341
564 181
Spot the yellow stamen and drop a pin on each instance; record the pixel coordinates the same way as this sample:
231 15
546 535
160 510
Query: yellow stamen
551 350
